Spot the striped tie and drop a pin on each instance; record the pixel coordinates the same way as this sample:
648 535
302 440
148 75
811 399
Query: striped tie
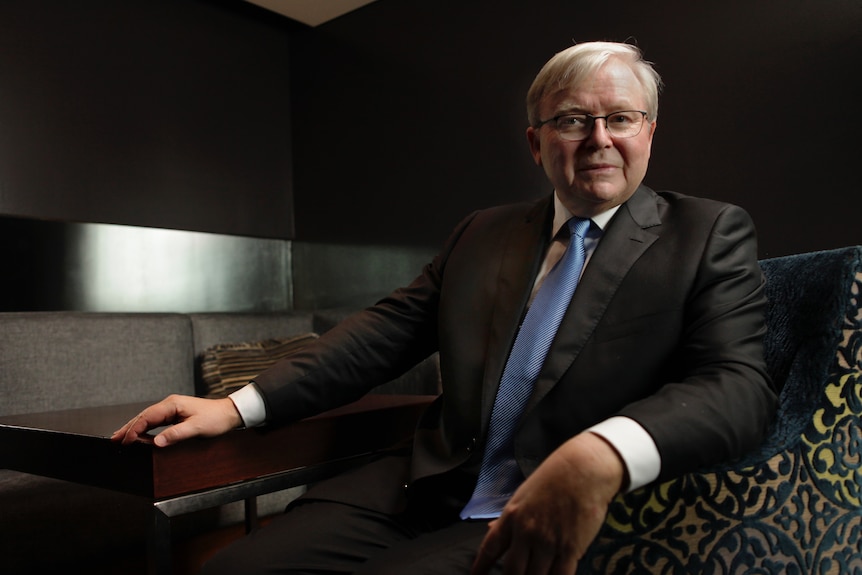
499 475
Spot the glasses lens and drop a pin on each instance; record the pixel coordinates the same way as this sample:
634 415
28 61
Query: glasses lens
625 124
574 126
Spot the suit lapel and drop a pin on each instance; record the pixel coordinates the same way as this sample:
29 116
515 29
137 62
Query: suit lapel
522 255
623 242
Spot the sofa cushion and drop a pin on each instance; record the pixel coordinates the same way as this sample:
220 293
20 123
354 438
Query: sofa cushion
209 329
227 367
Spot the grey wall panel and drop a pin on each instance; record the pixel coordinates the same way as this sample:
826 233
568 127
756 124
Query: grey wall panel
351 276
106 267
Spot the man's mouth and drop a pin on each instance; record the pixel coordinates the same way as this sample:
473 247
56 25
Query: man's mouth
598 167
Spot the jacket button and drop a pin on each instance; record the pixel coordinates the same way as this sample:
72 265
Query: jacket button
472 445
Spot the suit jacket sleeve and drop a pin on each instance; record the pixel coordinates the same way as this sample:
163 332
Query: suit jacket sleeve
717 401
365 350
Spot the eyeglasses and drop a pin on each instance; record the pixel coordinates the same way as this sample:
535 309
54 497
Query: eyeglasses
575 127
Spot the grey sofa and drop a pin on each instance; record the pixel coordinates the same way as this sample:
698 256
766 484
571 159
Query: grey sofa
65 360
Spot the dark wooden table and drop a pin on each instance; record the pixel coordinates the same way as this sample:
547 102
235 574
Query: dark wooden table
74 445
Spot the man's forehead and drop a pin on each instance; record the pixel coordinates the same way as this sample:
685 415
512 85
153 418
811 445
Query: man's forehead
580 101
614 86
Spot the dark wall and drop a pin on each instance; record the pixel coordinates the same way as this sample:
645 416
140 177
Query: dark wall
409 113
387 125
163 113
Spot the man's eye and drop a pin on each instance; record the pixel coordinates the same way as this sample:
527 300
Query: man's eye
570 121
622 119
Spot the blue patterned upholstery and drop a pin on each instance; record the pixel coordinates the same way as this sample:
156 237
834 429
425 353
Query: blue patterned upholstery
795 505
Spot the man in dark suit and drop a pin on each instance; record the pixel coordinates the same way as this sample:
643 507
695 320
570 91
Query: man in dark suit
656 367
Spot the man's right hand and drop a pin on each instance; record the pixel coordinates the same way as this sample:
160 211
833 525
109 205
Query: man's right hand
187 417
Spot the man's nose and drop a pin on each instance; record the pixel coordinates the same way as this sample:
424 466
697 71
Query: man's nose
599 135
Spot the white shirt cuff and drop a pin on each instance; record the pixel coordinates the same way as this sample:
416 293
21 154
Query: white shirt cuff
635 446
249 403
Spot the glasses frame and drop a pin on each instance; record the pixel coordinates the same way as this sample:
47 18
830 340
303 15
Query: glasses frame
593 119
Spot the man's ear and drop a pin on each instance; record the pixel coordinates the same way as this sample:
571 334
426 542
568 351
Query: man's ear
535 145
652 126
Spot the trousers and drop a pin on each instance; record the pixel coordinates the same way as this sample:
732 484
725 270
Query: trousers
364 522
325 537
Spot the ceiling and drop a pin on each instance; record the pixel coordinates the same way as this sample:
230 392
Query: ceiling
311 12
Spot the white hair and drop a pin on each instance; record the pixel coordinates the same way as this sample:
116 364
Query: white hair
573 65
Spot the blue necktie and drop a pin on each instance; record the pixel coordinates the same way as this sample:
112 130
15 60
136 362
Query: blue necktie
499 475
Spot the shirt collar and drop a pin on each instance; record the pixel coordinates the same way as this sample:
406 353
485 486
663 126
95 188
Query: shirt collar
562 215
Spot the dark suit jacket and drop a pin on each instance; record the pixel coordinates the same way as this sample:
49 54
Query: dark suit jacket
665 327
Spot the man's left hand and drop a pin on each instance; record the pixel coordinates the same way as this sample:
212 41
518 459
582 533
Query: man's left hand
556 513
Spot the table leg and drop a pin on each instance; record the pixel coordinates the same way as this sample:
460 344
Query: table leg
159 544
250 514
159 536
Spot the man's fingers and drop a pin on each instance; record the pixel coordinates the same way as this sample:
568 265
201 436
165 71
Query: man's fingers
188 417
493 546
131 430
536 561
156 415
171 435
564 565
518 561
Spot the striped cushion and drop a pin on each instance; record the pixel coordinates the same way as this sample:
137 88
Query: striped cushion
227 367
